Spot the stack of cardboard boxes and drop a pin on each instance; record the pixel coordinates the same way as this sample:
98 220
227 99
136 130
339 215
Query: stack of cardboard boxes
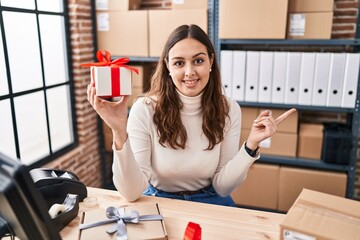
126 30
292 19
310 19
276 187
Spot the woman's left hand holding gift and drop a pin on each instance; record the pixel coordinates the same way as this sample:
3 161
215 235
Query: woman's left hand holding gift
114 114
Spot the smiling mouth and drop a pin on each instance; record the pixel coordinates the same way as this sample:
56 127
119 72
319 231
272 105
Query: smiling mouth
190 83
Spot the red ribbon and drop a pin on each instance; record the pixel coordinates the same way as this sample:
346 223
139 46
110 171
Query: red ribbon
192 231
104 59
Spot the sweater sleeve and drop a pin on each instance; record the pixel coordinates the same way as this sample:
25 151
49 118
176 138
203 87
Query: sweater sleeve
131 164
234 163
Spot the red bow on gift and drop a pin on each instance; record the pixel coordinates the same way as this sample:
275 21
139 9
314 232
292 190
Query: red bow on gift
106 61
192 232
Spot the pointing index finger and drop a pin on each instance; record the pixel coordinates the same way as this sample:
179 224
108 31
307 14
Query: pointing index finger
283 116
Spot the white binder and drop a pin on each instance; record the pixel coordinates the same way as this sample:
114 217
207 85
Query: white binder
279 77
350 80
226 66
252 76
321 79
336 78
238 80
307 70
292 78
265 76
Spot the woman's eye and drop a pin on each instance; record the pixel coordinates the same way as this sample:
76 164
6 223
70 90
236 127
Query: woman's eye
178 64
199 61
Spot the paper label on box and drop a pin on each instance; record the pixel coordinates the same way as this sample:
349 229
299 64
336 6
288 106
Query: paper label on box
297 25
265 143
178 1
291 235
102 5
103 23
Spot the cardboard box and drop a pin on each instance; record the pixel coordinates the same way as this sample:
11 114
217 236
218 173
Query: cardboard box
290 125
142 230
163 22
310 141
321 216
302 6
111 81
252 19
260 188
123 33
310 25
280 144
248 115
142 80
117 5
293 180
190 4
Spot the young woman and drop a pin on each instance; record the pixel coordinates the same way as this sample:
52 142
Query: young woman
181 140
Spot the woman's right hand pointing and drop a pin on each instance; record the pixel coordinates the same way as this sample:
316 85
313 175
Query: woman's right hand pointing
265 126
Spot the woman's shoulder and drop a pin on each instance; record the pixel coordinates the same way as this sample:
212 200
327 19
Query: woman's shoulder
143 103
233 105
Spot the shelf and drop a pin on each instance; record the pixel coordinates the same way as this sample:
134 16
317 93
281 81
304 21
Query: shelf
299 162
299 107
310 42
139 59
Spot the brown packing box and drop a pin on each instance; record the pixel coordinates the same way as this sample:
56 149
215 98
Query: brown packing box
252 19
280 144
260 188
190 4
310 141
248 115
142 230
310 25
140 83
123 33
136 92
296 6
118 5
142 79
289 125
293 180
321 216
163 22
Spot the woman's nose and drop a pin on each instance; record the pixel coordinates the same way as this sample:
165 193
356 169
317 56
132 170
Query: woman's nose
190 71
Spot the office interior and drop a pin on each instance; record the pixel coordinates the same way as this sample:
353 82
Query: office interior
273 55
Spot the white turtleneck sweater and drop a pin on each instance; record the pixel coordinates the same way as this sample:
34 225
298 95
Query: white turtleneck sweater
142 159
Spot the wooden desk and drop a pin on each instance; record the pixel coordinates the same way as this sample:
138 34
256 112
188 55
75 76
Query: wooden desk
217 222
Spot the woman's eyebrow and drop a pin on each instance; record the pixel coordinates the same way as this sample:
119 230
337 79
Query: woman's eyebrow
196 55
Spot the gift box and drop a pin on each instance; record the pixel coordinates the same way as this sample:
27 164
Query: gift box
111 81
112 78
153 229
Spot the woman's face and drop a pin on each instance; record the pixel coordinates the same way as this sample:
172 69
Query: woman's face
189 65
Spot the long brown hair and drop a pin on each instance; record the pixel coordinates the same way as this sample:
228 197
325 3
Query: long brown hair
167 118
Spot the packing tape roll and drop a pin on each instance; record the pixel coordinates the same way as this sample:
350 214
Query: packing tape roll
56 209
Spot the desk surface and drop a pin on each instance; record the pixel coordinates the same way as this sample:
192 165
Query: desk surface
217 222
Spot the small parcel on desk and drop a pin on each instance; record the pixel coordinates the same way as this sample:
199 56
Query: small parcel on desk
320 216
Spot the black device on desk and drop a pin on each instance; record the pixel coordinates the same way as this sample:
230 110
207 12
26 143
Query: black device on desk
55 185
23 211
